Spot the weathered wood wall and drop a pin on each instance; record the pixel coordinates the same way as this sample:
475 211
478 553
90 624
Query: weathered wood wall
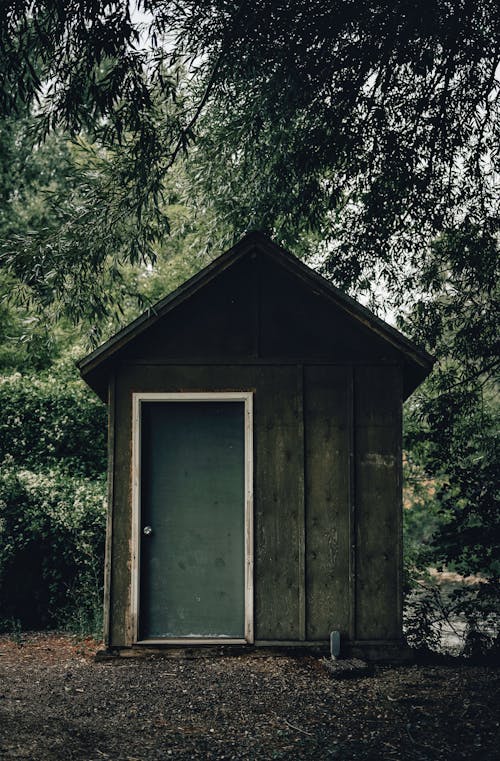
326 478
378 539
327 451
328 426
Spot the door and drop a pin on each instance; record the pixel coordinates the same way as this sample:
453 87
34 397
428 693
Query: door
194 517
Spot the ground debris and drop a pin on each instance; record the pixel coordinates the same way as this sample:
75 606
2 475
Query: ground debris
346 668
59 704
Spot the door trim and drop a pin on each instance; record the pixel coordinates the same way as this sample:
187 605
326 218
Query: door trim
191 396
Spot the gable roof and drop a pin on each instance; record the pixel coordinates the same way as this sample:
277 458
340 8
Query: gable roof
418 362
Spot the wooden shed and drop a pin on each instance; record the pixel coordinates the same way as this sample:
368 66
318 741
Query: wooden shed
255 462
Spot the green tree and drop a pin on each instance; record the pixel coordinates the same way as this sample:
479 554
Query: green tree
59 271
453 421
29 340
372 124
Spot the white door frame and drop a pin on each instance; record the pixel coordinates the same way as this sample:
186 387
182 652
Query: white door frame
191 396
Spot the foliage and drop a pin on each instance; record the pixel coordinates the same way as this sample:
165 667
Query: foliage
456 618
29 171
452 423
76 65
452 427
421 519
371 124
52 421
26 343
444 611
52 506
55 263
51 548
75 261
424 618
52 429
30 339
459 527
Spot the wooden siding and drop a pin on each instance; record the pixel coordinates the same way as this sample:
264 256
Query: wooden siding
307 423
219 321
256 300
258 311
279 497
328 421
377 435
109 512
121 566
278 483
328 380
297 322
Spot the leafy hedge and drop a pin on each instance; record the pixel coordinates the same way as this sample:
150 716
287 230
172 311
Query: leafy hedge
52 530
52 503
52 420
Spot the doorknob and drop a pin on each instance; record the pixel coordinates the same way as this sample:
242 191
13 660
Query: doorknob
147 530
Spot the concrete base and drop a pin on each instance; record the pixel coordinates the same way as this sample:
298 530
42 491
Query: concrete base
347 668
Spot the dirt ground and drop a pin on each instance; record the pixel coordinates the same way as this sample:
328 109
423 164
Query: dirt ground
57 703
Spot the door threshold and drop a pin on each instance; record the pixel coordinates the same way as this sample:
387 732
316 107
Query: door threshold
193 641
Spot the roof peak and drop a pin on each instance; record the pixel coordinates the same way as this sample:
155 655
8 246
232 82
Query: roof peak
256 239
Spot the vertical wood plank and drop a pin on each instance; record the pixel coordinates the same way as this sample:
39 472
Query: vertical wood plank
109 513
278 504
352 511
120 608
328 436
257 302
301 505
399 529
378 502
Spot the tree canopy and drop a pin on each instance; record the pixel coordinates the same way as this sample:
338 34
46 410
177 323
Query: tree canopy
371 124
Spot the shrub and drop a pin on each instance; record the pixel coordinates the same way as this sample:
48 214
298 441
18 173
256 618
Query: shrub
52 420
52 529
52 501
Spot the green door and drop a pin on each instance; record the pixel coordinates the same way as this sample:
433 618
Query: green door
192 519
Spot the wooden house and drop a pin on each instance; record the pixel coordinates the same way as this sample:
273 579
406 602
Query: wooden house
255 462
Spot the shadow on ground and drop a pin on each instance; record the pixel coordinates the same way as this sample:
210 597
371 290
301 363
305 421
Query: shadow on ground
57 702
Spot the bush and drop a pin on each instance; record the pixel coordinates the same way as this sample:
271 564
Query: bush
52 529
451 525
458 618
52 502
52 420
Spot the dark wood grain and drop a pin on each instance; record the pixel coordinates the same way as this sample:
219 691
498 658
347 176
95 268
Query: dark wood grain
328 434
